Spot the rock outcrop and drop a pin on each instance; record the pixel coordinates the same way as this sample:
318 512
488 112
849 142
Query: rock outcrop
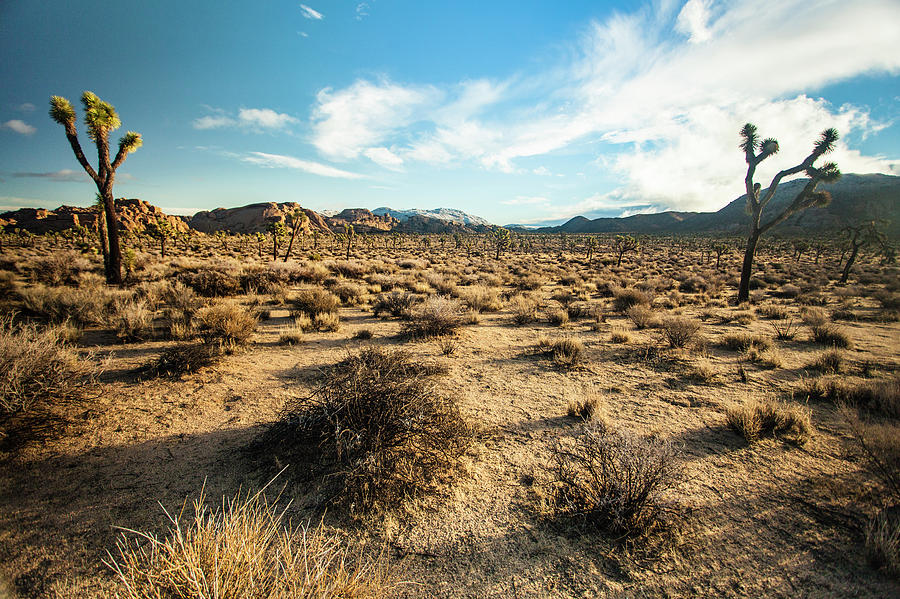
134 214
253 218
363 221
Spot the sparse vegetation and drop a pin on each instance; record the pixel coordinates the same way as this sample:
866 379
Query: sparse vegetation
763 418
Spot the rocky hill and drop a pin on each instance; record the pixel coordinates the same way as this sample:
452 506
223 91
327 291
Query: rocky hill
854 198
253 218
133 214
450 215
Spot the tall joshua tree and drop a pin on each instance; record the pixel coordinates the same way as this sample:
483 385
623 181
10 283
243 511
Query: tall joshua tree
101 119
755 151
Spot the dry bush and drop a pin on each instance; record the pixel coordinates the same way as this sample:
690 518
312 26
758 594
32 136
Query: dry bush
211 283
184 358
625 298
642 316
58 304
745 341
830 361
376 430
226 324
529 283
291 334
350 294
619 336
524 309
481 298
242 550
758 418
348 269
877 397
558 317
702 371
613 481
59 268
311 273
261 281
785 331
315 301
564 351
679 331
828 334
590 408
327 321
395 303
36 365
132 320
883 541
879 444
440 284
434 317
773 312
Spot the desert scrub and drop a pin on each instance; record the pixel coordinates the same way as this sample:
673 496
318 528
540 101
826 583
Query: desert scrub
395 303
350 294
377 431
481 298
524 309
619 335
558 317
883 541
876 397
183 358
745 341
612 481
211 283
226 324
878 443
84 307
291 334
36 365
59 268
565 352
132 320
625 298
831 335
679 331
434 317
241 550
589 408
785 331
768 418
315 301
642 316
831 361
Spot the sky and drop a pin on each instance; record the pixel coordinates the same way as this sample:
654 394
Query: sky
518 112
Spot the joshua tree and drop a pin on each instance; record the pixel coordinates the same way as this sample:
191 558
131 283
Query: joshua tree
755 151
858 236
260 238
298 219
101 119
348 232
160 229
278 231
591 247
624 244
720 249
501 240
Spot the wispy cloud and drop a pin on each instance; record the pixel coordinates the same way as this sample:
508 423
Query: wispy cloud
310 13
314 168
62 175
26 107
384 157
18 126
693 20
362 11
526 201
252 119
14 203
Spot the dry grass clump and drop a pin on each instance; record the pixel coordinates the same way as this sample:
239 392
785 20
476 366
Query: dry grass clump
524 309
879 444
565 352
59 268
481 298
377 430
883 541
292 334
395 303
829 334
211 283
785 331
830 361
558 317
679 331
773 312
745 341
350 294
36 365
613 481
327 321
642 316
619 336
57 304
762 418
242 550
625 298
434 317
589 408
348 269
184 358
316 301
877 397
529 283
226 324
132 320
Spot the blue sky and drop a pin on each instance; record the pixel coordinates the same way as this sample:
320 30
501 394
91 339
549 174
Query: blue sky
519 112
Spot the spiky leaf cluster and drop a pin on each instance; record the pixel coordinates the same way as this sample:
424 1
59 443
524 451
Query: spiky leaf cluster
99 116
61 110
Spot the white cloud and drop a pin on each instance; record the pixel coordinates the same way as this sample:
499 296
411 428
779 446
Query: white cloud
526 201
693 20
302 34
26 107
362 11
543 171
281 161
213 122
384 157
253 119
310 13
264 118
61 175
20 127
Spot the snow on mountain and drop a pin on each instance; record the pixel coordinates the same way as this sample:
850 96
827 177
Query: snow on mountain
447 214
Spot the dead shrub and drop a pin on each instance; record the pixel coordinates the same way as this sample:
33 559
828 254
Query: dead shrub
376 430
524 309
876 397
612 481
227 324
745 341
565 352
763 418
679 331
395 303
558 317
59 268
184 358
879 444
883 541
315 301
241 550
828 334
481 298
830 361
132 321
211 283
625 298
642 316
434 317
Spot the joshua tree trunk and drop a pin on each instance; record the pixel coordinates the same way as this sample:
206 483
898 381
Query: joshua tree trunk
747 268
846 273
114 265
